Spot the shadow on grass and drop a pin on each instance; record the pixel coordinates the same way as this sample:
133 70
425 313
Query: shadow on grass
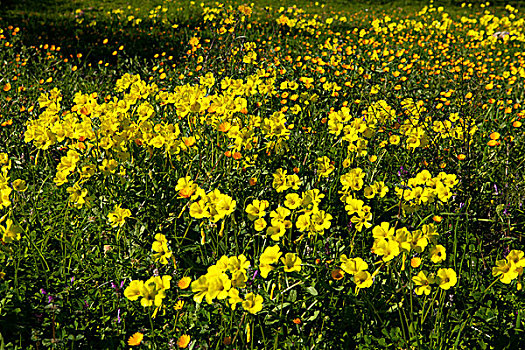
59 23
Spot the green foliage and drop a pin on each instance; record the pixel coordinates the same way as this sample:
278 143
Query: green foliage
140 141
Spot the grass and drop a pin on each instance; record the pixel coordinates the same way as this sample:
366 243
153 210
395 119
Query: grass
278 175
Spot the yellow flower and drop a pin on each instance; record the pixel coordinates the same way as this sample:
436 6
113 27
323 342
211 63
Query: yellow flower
270 255
363 279
354 265
118 216
516 258
234 298
179 304
324 166
256 210
160 246
447 278
293 201
291 262
134 290
259 224
276 232
19 185
200 286
108 166
423 283
11 232
238 263
383 231
77 195
135 339
183 341
505 270
389 249
438 254
252 303
184 282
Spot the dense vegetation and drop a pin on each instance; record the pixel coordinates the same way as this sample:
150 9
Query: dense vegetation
227 175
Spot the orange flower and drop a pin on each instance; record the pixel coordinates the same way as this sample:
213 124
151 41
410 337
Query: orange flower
184 282
135 339
415 262
183 341
297 321
337 274
495 136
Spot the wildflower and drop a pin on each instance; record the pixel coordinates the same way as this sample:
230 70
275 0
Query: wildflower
135 339
505 270
423 282
447 278
186 187
178 305
77 195
257 209
270 256
160 246
134 290
118 216
415 262
183 341
291 262
252 303
293 201
11 232
337 274
19 185
438 254
389 249
108 166
363 279
354 265
184 282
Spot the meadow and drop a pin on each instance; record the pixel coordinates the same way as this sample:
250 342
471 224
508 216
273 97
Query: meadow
276 175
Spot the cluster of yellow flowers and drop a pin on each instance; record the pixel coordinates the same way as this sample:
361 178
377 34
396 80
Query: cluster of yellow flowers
5 189
151 292
213 205
216 283
354 181
271 255
389 242
161 249
510 268
357 267
423 189
11 231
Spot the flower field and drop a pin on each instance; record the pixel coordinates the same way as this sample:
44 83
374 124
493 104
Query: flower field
276 175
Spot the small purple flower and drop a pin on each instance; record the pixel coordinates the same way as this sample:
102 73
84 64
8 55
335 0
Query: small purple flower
43 291
496 188
255 274
50 299
118 316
